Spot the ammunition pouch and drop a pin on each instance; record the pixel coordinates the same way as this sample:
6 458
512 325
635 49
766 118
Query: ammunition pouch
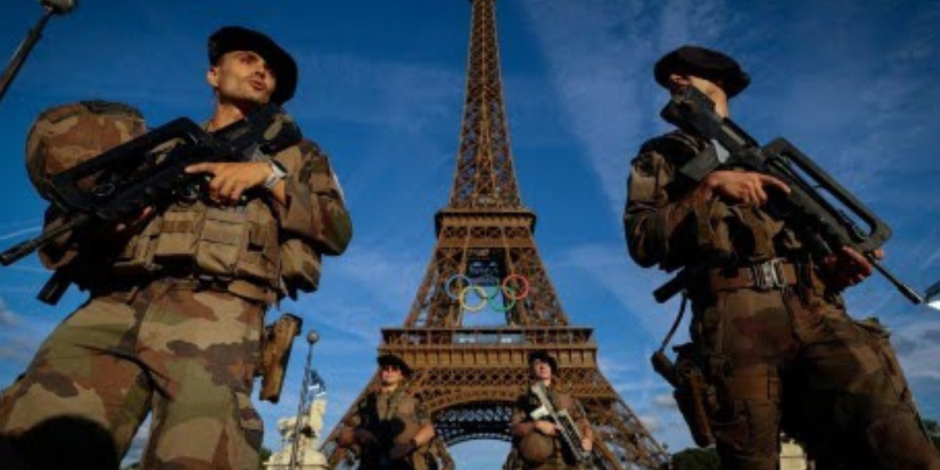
276 345
137 256
223 242
696 398
300 267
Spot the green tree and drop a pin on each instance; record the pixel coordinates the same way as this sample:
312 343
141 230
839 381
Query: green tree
696 459
933 430
263 456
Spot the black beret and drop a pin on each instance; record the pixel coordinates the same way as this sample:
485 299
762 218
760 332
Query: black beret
544 357
705 63
236 38
393 360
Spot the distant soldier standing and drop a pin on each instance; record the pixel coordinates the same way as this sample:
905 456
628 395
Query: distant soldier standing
536 439
178 300
391 429
770 332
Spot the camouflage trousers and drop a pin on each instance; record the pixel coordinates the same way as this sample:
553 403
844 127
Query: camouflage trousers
555 462
186 355
799 363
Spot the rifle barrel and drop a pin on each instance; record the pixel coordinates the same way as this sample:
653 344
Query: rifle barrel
903 288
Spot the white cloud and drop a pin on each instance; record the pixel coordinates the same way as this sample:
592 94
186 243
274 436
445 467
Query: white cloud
601 55
404 97
665 400
652 423
632 286
380 269
919 356
8 319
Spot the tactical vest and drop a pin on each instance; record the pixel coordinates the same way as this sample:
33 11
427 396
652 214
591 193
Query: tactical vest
731 234
239 248
397 425
217 242
537 450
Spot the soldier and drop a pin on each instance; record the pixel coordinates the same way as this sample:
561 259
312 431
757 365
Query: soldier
770 332
391 429
537 440
175 318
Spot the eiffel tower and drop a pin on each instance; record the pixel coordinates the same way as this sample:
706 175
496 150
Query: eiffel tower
468 377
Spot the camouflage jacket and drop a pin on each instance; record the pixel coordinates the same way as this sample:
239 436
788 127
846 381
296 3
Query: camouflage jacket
530 443
280 245
315 210
393 418
665 226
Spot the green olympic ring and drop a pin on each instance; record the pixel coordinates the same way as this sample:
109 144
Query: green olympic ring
485 297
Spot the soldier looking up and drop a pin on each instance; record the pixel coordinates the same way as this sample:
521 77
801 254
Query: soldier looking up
770 333
178 301
391 429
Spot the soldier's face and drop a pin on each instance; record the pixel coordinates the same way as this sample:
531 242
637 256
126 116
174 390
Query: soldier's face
541 370
390 375
711 89
242 76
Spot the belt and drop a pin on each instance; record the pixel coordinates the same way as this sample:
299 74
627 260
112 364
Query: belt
770 275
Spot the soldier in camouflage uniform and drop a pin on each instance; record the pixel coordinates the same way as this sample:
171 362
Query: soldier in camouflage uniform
775 349
176 314
536 441
391 429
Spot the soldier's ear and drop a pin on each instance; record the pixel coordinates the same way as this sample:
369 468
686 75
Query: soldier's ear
212 76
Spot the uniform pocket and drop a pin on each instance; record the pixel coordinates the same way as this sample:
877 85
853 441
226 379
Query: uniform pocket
137 257
248 420
178 234
260 258
877 338
222 239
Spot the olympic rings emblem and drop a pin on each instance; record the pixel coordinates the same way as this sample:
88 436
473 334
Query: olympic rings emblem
506 288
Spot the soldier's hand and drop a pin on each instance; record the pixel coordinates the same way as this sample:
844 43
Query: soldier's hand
364 437
144 216
546 427
231 180
741 187
587 444
847 268
400 451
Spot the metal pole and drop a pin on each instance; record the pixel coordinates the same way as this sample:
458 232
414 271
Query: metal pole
19 57
312 338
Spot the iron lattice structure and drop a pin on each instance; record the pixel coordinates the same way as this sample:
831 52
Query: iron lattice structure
468 377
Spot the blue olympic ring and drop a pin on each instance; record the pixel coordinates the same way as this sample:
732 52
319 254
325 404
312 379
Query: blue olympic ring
485 297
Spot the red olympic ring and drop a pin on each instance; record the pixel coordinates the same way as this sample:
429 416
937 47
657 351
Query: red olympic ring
523 294
507 291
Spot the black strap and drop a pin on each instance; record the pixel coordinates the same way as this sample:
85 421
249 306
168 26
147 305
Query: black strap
675 324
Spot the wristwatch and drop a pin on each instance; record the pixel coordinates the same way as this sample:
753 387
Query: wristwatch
278 172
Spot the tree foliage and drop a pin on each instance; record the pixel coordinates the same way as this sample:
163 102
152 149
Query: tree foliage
263 456
933 430
696 459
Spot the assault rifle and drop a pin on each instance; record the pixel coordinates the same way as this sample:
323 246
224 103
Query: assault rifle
822 226
149 171
570 435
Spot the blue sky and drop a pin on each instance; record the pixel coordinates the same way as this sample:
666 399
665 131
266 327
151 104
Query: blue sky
856 85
